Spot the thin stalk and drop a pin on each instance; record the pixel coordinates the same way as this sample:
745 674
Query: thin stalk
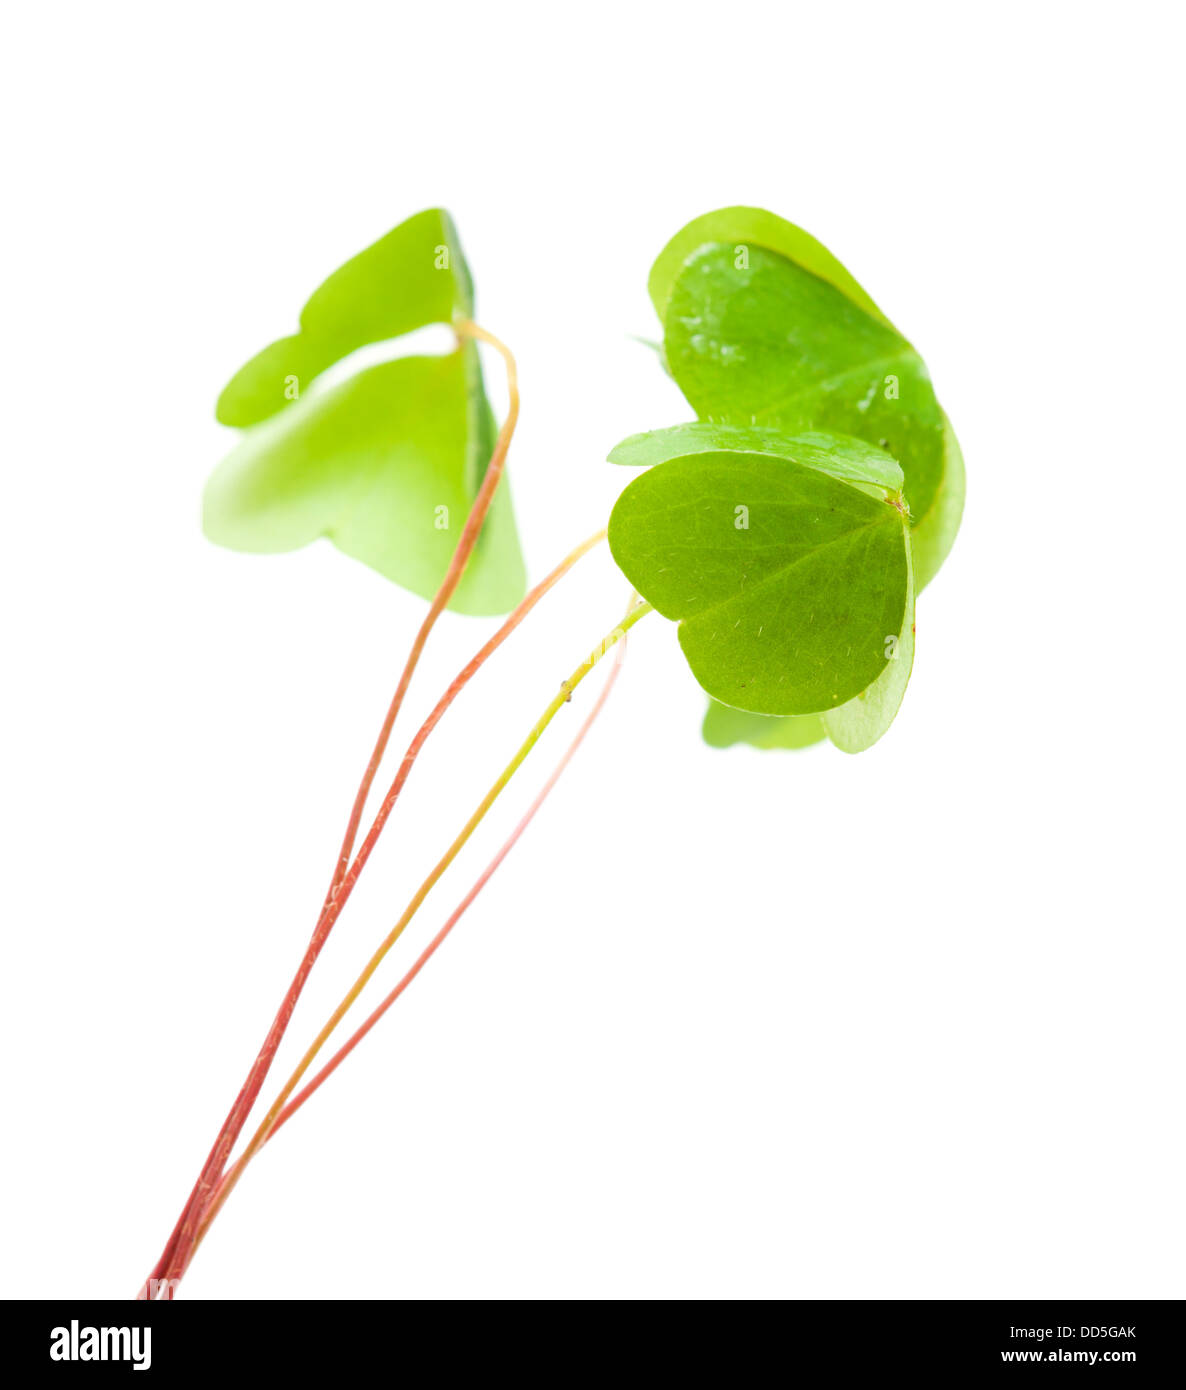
332 909
461 555
330 912
430 950
555 705
233 1125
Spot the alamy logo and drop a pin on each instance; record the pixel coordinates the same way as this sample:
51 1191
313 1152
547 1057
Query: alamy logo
76 1343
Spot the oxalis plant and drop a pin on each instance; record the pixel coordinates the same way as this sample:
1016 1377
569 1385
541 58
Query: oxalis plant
787 529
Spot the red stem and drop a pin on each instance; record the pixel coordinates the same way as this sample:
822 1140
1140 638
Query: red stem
168 1265
465 545
430 950
231 1176
185 1229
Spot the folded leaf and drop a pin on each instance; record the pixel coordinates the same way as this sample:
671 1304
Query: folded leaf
415 275
786 582
387 464
840 456
382 465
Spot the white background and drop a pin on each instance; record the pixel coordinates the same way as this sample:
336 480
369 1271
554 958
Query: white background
726 1024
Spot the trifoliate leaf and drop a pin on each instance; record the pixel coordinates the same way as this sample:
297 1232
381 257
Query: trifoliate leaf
388 463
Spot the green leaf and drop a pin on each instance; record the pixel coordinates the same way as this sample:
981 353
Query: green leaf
933 535
387 464
723 727
415 275
745 227
840 456
762 326
852 727
786 582
858 725
384 464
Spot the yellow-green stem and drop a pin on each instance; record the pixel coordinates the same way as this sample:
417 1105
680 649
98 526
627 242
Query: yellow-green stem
565 694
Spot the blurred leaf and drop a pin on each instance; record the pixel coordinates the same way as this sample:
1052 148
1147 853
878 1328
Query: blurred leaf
723 727
415 275
381 465
388 463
